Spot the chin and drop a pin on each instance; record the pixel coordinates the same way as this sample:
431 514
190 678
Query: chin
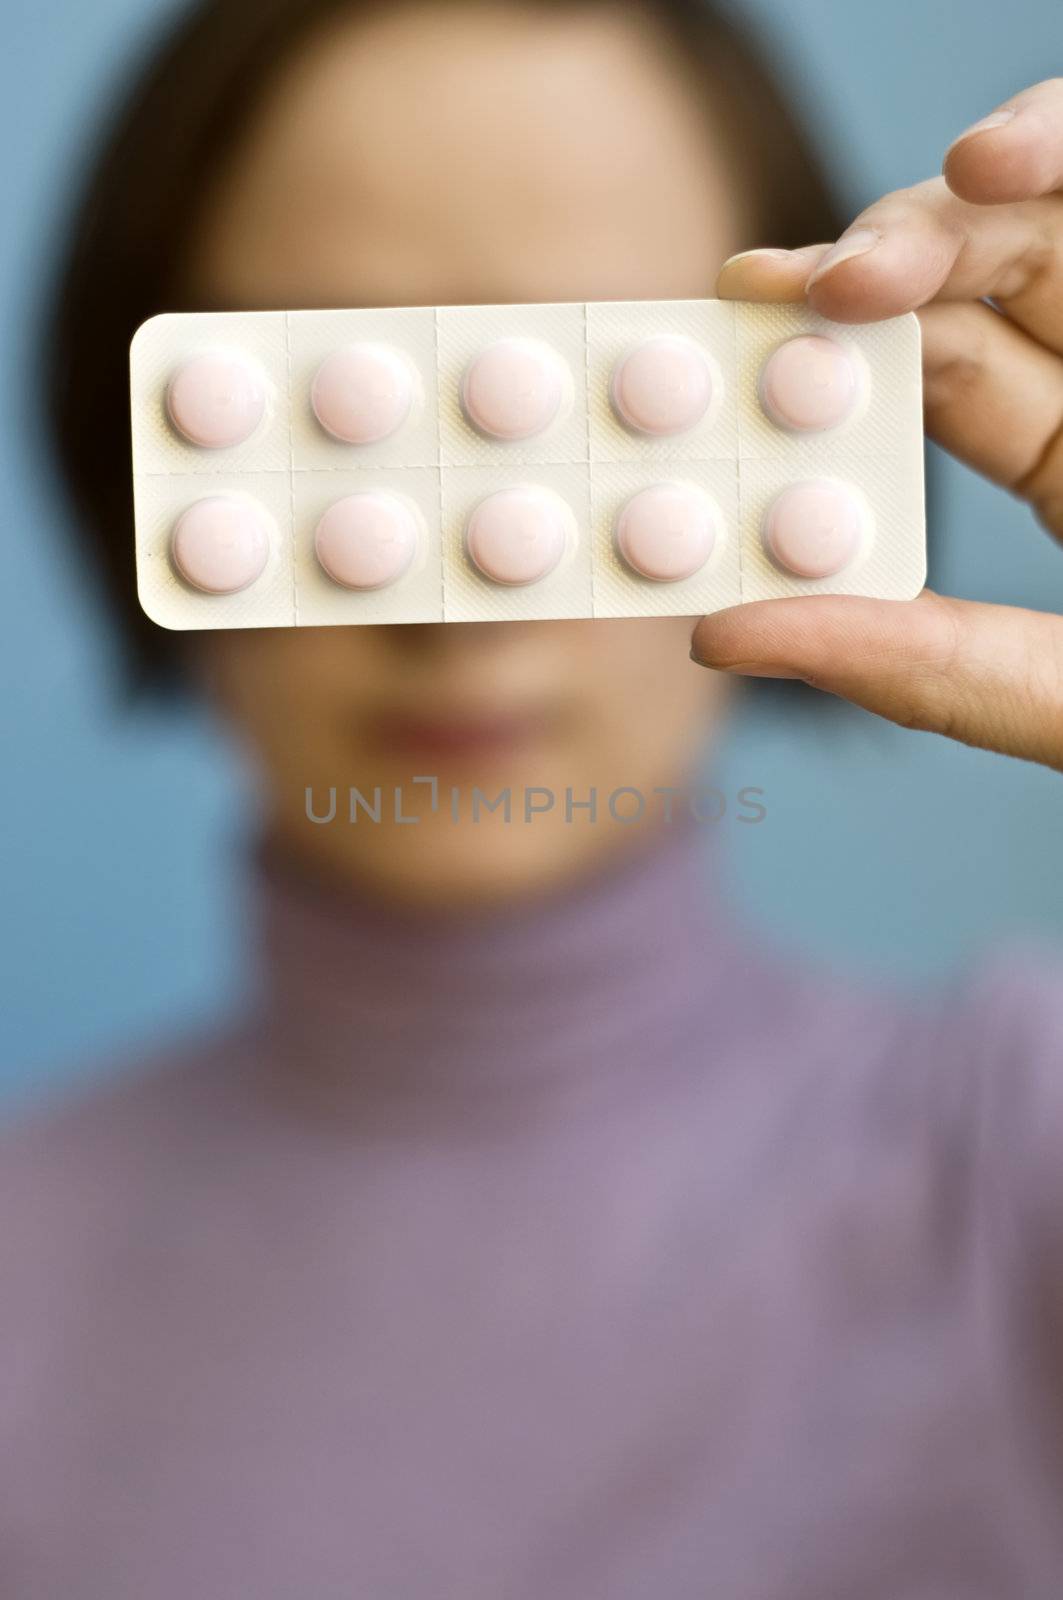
436 863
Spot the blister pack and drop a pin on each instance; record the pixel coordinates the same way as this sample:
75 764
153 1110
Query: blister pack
473 463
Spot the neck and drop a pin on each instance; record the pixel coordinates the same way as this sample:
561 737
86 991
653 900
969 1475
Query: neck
588 978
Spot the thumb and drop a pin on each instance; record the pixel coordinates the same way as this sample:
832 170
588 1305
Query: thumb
987 675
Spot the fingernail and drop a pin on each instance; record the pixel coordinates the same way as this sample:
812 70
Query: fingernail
768 255
850 245
752 669
999 119
746 669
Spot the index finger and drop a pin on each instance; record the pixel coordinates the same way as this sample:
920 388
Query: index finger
991 228
924 244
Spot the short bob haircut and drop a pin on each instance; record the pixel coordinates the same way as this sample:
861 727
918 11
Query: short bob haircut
151 172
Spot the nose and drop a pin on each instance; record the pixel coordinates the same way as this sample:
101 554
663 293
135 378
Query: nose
423 641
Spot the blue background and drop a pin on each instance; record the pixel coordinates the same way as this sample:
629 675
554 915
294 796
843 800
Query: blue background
892 853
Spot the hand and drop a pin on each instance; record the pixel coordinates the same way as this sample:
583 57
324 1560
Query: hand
991 228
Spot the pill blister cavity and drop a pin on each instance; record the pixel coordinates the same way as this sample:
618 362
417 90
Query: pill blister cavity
668 531
221 543
513 389
216 399
818 528
517 536
664 386
366 540
811 384
362 393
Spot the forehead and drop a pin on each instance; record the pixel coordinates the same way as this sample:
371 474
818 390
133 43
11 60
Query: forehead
462 153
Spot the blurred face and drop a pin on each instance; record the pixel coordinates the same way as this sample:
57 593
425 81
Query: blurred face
453 154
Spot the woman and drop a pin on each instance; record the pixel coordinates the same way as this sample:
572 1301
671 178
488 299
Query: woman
538 1235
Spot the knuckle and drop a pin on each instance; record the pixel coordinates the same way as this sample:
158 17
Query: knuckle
929 189
1042 691
1036 267
914 198
924 714
958 343
1042 483
946 635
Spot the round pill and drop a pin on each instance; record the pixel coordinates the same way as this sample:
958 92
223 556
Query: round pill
667 532
513 389
815 529
664 386
216 399
362 393
366 540
810 384
221 543
517 535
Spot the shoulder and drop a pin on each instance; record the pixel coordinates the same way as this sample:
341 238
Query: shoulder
971 1081
1006 1031
995 1033
90 1191
957 1092
1010 1005
71 1145
80 1181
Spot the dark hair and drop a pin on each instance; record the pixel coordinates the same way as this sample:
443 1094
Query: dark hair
152 172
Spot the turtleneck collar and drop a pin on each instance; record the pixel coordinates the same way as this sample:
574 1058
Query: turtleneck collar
610 971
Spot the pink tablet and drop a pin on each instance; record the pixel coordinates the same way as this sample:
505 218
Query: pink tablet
216 400
221 543
664 386
513 389
362 393
668 531
366 540
517 536
811 384
816 529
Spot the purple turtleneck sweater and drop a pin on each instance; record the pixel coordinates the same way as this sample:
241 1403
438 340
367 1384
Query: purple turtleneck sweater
582 1252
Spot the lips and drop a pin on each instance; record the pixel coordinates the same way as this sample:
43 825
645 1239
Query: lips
455 735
